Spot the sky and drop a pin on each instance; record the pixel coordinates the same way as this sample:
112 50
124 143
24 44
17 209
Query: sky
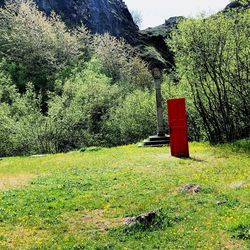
155 12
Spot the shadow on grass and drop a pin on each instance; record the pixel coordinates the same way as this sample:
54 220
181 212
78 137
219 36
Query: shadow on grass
191 159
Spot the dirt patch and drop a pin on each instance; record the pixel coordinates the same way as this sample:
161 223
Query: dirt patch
91 220
233 245
7 182
165 156
239 184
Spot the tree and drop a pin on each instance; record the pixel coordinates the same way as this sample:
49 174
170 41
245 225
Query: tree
77 117
212 57
133 119
35 46
121 62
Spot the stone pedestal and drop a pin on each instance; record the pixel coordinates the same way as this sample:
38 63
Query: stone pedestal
157 141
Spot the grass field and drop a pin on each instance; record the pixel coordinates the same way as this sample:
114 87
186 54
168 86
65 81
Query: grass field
81 200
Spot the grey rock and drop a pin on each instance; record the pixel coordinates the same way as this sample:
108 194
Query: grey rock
220 203
237 5
192 188
152 44
99 16
146 218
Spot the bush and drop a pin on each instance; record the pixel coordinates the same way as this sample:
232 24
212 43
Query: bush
20 120
133 119
121 63
212 58
77 117
35 46
170 90
53 98
87 110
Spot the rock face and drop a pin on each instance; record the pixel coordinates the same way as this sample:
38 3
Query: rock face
113 16
153 46
99 16
237 5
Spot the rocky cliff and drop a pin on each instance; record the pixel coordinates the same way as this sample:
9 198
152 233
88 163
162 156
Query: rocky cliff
237 5
152 43
113 16
99 16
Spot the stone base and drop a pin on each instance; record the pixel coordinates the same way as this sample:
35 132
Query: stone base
157 141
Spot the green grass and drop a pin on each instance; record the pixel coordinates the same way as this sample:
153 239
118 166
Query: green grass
80 200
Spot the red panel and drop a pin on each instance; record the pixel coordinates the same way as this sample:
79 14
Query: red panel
177 120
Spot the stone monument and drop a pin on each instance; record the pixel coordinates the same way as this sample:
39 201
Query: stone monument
161 138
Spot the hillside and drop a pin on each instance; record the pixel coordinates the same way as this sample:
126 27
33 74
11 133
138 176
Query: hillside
113 17
99 16
81 200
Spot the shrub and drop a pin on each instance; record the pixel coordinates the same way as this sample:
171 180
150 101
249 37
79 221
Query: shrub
89 111
133 119
121 63
77 117
35 46
20 120
170 89
212 58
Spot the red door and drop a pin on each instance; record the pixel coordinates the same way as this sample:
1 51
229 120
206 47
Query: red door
177 120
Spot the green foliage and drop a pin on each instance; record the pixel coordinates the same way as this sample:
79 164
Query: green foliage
90 149
76 118
133 119
35 46
85 111
121 63
241 146
51 99
19 125
20 118
242 232
212 57
7 89
170 89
